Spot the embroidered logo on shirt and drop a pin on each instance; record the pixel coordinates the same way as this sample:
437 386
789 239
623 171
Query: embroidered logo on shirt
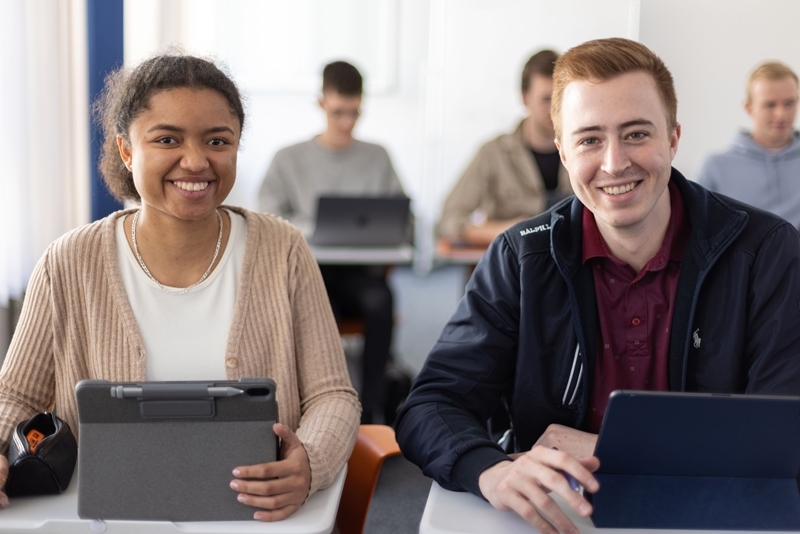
696 338
540 228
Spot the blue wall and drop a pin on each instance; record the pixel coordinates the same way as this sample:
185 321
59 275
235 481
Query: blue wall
105 47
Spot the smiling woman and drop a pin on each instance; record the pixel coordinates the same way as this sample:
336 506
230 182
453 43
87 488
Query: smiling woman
184 288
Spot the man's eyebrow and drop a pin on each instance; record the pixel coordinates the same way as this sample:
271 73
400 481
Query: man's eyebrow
636 122
627 124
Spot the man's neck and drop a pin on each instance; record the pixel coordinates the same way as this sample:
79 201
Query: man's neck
538 138
334 142
638 244
771 144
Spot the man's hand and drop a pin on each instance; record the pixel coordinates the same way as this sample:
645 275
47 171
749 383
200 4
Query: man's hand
3 477
524 486
578 444
278 487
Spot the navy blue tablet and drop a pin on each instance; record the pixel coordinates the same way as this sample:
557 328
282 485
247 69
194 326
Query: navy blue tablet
698 461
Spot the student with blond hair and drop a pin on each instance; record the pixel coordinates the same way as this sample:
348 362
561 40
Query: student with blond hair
762 166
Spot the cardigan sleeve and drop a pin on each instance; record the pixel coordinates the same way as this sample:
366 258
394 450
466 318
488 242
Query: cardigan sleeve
27 379
328 403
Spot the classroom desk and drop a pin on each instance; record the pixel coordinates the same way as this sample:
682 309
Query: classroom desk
452 512
400 255
59 515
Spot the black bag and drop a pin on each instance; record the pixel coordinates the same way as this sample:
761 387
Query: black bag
48 468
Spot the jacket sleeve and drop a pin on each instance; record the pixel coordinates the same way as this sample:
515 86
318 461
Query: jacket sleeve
27 379
442 426
466 195
773 316
328 403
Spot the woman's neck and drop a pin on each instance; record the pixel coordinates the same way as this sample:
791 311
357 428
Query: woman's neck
178 252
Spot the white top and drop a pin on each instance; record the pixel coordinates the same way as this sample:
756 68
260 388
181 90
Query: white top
182 340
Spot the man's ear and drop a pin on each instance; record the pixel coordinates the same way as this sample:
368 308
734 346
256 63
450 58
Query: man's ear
560 152
748 107
124 151
321 102
673 142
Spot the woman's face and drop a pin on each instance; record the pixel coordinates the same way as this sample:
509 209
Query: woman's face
182 152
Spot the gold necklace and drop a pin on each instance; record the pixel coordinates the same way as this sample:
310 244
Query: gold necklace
147 271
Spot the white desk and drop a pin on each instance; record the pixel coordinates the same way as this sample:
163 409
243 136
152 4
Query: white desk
402 255
59 515
450 512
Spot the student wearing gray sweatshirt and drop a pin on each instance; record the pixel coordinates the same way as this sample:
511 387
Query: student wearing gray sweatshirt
762 167
334 162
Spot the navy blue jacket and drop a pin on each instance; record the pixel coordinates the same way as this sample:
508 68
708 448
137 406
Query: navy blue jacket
525 333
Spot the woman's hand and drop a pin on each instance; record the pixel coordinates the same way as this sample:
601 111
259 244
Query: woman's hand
280 487
3 477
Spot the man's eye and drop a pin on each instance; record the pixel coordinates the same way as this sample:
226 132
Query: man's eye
637 136
589 141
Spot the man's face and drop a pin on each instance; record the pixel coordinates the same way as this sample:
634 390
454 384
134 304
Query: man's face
618 149
341 112
772 106
537 100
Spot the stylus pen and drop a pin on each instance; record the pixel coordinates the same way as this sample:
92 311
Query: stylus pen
573 483
129 392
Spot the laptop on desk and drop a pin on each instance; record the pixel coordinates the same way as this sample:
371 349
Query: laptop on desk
698 461
366 221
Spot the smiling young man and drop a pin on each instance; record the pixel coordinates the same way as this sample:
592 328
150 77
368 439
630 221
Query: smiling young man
762 167
643 280
336 163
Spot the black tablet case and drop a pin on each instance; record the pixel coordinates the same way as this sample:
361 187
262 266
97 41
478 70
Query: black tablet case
174 464
698 461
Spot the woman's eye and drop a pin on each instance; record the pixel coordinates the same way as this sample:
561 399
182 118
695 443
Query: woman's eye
166 140
218 142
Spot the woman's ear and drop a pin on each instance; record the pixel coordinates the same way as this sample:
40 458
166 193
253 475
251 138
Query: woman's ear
124 151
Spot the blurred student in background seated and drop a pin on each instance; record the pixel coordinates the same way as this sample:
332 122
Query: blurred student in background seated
516 176
762 167
335 163
644 280
184 288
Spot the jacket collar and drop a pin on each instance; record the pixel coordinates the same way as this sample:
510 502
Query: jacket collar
715 224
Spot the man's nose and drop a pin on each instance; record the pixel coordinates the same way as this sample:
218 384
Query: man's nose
615 158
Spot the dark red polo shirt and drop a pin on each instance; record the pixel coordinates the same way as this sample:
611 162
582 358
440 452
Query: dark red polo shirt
635 311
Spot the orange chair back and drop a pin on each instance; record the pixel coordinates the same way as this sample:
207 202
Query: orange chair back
375 443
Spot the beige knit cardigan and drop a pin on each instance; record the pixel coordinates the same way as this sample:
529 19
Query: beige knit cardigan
77 323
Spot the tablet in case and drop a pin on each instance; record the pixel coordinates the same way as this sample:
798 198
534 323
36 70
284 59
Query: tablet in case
698 461
166 450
